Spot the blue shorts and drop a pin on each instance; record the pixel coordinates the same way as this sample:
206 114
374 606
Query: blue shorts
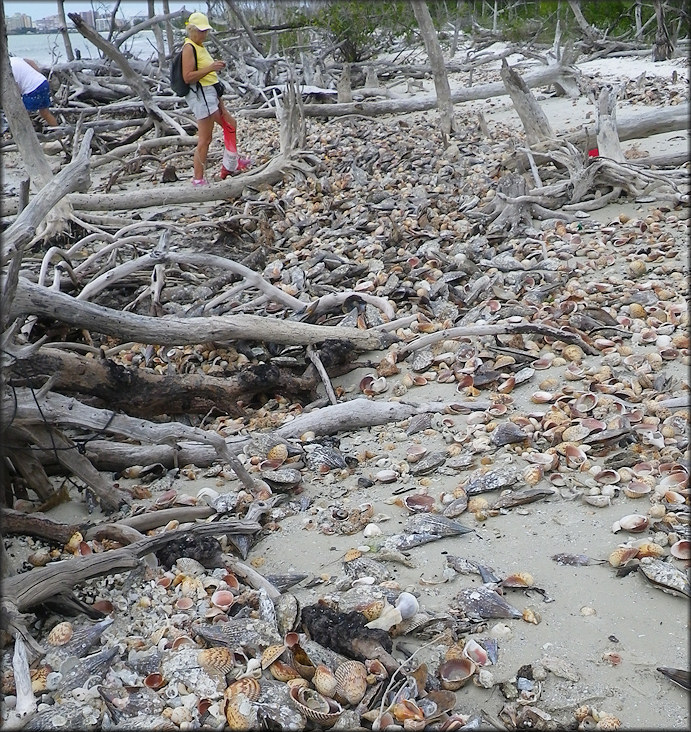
39 98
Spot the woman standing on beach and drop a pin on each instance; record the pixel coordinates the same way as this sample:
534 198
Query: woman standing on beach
199 70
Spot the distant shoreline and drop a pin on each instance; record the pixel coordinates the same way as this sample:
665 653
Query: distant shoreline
40 33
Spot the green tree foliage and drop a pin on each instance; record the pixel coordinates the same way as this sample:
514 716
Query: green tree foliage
361 29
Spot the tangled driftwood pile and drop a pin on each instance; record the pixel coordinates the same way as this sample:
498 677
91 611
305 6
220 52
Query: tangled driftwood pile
189 331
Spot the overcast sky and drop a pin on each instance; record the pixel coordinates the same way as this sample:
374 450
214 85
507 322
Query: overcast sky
42 8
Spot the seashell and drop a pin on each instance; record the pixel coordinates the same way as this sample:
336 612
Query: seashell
649 549
60 634
633 523
637 489
575 456
681 549
531 616
281 480
283 671
371 530
608 721
154 681
674 481
72 545
272 653
599 501
405 710
223 599
386 476
415 453
302 662
456 672
218 659
240 714
476 653
622 555
542 397
315 706
572 353
665 576
575 433
324 681
533 474
278 452
246 686
547 460
184 603
518 580
287 609
508 433
407 605
419 502
608 477
352 681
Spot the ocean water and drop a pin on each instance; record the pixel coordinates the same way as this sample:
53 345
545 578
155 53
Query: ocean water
48 48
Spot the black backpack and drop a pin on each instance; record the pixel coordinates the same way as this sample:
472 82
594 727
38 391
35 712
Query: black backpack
177 83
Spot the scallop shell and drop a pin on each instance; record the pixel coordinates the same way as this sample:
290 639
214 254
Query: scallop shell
352 681
240 714
60 634
272 653
249 687
456 672
315 706
283 671
681 549
324 681
622 555
217 659
633 523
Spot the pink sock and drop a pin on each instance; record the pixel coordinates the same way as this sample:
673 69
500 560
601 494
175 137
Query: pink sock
229 139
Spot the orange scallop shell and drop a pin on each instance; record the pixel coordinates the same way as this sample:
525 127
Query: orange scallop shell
216 660
246 686
352 680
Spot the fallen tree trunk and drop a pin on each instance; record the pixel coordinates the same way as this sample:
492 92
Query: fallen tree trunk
141 393
540 77
31 299
645 124
171 195
354 414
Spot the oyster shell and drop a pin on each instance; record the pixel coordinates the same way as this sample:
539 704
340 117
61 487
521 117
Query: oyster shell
663 575
482 602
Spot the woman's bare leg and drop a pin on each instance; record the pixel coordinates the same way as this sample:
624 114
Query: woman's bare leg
205 129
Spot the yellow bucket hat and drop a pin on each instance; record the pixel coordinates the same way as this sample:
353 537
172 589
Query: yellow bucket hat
199 21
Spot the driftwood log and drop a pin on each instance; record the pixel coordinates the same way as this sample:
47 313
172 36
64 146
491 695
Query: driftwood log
23 592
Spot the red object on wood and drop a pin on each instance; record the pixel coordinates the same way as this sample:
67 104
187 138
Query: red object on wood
593 153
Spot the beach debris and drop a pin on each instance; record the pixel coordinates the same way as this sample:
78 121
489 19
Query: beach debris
663 575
